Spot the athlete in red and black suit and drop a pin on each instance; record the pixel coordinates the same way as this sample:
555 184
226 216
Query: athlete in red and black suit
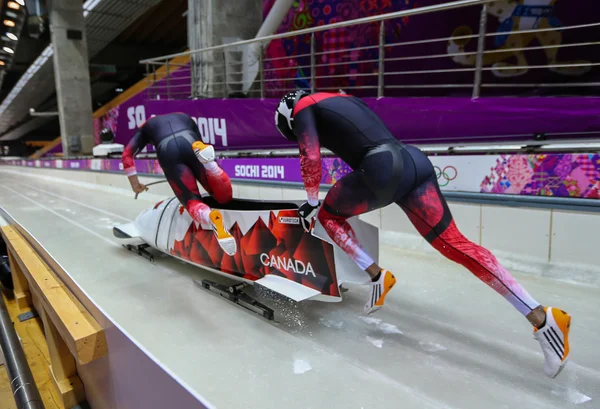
386 171
185 160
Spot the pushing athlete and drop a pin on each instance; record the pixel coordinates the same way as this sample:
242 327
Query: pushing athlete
386 171
185 160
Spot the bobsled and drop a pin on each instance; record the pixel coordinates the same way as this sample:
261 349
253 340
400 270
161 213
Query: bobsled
273 250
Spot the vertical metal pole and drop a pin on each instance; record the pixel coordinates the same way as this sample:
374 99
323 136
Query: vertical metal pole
313 68
193 76
225 79
261 61
147 81
168 82
480 49
380 79
154 76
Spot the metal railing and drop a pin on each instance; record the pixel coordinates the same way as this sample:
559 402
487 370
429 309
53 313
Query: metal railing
244 68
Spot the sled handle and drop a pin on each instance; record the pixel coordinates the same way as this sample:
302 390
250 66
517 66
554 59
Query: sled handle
150 184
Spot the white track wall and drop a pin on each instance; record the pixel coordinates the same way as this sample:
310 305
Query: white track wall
552 243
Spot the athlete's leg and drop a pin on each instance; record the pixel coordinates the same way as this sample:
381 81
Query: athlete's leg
210 175
214 180
351 196
428 210
183 182
371 187
218 182
348 197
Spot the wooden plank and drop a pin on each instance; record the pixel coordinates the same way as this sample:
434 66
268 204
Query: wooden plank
7 401
37 144
51 145
82 334
21 286
63 368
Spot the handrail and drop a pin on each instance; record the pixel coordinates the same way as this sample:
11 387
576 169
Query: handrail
381 73
363 20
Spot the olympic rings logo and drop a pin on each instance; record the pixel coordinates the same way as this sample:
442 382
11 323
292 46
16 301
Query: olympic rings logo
447 175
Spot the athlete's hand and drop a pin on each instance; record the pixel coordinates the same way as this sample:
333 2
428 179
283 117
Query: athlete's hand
139 188
307 213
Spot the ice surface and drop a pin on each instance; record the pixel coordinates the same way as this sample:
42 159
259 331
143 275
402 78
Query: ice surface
331 323
376 341
443 340
432 346
301 366
384 327
388 328
370 320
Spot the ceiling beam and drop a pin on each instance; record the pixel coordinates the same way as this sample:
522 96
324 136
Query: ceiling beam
24 129
175 20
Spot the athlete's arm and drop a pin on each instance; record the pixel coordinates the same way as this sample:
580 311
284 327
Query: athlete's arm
135 145
310 153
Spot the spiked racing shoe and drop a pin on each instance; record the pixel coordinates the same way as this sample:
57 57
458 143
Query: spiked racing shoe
204 152
225 239
379 290
554 340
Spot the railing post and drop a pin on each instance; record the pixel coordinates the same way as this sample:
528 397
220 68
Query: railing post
147 81
168 81
480 49
261 67
380 78
225 73
154 76
313 68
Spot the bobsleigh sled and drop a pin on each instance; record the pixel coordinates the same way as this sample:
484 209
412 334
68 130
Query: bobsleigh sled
273 250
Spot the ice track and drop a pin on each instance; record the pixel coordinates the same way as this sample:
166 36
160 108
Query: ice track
444 340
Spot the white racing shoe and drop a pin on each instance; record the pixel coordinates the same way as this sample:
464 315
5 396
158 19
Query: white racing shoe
554 339
205 153
225 239
379 290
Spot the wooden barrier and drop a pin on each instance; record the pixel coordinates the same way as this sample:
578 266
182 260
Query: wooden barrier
71 332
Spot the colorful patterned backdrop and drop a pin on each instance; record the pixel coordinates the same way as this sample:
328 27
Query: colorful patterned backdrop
504 16
563 175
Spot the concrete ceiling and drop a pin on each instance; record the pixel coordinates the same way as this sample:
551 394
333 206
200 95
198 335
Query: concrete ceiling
117 31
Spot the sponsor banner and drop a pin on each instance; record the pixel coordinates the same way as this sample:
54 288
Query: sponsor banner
282 169
561 175
233 124
276 169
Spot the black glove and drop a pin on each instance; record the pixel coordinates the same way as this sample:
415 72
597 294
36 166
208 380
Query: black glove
307 213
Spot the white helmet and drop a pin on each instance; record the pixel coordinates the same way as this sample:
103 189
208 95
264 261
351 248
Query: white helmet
284 114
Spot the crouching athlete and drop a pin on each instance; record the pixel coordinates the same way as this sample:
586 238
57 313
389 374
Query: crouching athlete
386 171
185 160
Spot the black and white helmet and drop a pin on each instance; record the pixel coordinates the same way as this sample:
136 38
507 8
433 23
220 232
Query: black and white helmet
284 114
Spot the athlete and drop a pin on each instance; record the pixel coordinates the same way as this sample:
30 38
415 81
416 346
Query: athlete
386 171
185 160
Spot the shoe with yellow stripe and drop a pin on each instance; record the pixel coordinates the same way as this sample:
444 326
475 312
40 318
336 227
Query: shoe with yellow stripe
554 339
224 238
204 152
379 290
